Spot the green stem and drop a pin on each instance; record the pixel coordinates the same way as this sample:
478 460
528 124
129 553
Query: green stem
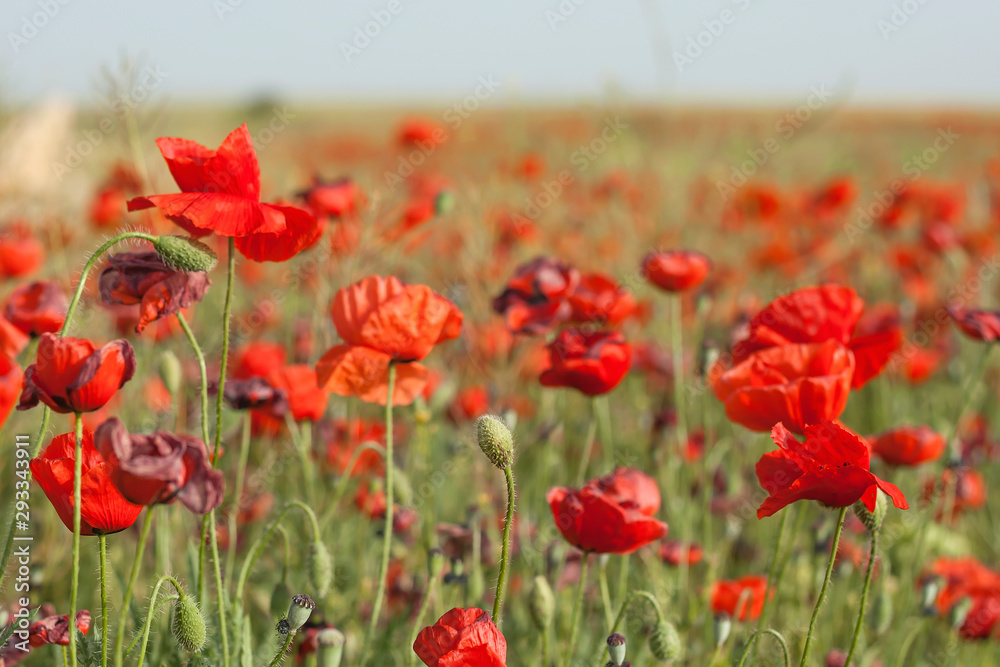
773 633
152 609
77 504
773 570
864 595
220 591
204 374
132 578
346 476
904 648
303 447
283 650
387 530
103 540
505 549
575 618
545 646
234 509
822 590
424 606
624 607
257 548
588 446
602 578
677 349
602 410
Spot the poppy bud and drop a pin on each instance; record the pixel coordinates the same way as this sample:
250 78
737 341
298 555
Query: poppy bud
188 625
331 647
496 441
959 612
721 628
872 520
616 649
435 561
319 568
541 604
171 372
928 594
881 616
185 254
665 643
279 597
299 611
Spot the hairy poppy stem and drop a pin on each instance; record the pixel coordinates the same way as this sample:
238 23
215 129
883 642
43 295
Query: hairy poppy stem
575 618
505 549
677 356
387 529
204 374
774 633
234 509
826 583
140 549
621 614
77 506
103 540
153 608
283 650
257 548
864 595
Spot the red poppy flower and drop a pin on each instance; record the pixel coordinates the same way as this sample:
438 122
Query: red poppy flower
220 189
676 270
336 199
908 445
741 598
55 629
142 278
10 387
73 375
675 552
794 384
469 403
420 132
820 314
12 339
37 308
592 363
302 231
616 522
983 325
967 577
383 321
103 509
256 394
258 359
632 486
965 486
21 254
832 466
462 638
534 300
160 467
108 206
600 301
306 399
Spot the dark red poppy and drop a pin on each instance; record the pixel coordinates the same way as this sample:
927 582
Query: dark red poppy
383 321
794 384
600 301
820 314
37 308
256 394
741 598
908 445
832 466
142 278
220 189
160 467
592 363
535 299
619 521
967 578
336 199
21 253
462 637
676 270
74 375
675 552
983 325
258 359
55 629
103 509
302 231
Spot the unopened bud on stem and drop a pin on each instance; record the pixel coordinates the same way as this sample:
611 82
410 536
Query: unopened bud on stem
496 441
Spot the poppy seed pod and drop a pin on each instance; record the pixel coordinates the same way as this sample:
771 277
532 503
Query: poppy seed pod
665 643
541 604
872 520
496 441
331 647
319 568
188 625
616 649
299 611
185 254
171 372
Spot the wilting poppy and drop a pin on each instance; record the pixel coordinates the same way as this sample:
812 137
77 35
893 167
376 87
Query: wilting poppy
908 445
600 301
968 578
55 629
74 375
160 467
794 384
676 270
592 363
617 521
103 509
466 637
21 254
741 598
832 466
37 308
820 314
142 278
983 325
220 189
382 322
534 300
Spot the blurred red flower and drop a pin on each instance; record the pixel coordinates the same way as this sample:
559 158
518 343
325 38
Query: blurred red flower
535 299
37 308
967 577
741 598
908 445
465 637
21 253
983 325
11 378
55 629
675 552
258 359
592 363
676 270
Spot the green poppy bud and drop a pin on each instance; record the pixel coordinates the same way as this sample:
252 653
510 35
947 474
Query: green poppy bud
331 647
541 604
872 520
496 441
616 649
185 254
188 625
665 643
319 568
171 372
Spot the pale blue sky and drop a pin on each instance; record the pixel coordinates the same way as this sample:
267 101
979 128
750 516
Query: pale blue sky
943 53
